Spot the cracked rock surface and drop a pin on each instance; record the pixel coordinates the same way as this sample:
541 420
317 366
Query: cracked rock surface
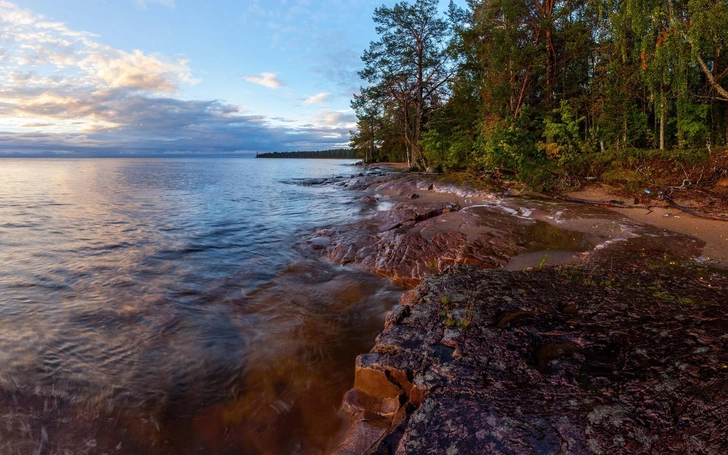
625 354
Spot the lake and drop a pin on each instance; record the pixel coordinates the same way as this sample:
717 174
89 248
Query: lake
155 306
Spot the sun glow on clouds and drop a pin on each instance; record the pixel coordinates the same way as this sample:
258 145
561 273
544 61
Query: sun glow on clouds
317 99
51 72
269 80
62 89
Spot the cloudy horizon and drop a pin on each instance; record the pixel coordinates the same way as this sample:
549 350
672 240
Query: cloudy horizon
72 88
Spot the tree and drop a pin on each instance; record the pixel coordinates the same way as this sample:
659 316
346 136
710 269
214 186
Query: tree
407 69
369 121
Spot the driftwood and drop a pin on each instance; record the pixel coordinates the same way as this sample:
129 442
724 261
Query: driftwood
712 194
621 205
694 213
609 204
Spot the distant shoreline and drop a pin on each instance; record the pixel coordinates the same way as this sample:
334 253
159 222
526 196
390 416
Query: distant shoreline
337 154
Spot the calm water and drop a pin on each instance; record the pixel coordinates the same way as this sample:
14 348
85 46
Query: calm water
167 306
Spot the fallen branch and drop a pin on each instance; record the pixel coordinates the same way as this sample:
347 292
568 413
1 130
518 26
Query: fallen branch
712 194
609 204
694 213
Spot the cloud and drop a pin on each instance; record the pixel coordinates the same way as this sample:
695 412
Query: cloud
336 119
135 70
63 92
317 99
269 80
37 125
31 42
151 126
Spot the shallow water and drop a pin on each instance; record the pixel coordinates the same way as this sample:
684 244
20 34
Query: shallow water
161 306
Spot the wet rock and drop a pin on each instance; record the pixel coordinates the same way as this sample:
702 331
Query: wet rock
368 200
408 257
365 433
319 243
408 184
607 357
407 243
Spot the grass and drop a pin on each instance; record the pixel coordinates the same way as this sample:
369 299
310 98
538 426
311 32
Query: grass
447 309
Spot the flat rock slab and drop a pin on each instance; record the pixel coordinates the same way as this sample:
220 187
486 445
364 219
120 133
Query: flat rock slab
625 354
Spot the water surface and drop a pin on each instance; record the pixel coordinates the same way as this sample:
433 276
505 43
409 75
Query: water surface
166 306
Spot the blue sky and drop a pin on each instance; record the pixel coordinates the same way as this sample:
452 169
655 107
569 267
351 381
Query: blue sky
157 77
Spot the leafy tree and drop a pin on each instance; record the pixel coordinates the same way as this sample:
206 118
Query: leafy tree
539 88
407 69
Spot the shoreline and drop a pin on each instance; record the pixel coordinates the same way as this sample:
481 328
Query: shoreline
648 210
394 382
661 214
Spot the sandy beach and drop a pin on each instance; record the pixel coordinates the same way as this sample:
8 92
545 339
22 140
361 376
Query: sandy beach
660 214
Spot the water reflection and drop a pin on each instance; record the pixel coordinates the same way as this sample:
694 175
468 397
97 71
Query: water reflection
158 306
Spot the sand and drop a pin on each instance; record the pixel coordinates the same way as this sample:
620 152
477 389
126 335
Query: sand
713 232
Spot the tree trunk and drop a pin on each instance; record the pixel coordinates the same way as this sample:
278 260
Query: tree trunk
662 118
722 92
418 155
371 143
550 52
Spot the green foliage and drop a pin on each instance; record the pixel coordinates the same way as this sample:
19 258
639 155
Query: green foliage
506 146
547 94
562 135
406 71
692 123
542 262
447 151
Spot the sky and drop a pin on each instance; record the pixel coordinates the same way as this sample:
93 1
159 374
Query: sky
179 77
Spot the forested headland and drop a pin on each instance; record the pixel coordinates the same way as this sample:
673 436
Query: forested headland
325 154
548 91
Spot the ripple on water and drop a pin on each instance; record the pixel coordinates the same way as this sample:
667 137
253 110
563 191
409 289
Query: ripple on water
159 306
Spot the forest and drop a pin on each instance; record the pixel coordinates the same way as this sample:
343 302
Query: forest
320 154
545 91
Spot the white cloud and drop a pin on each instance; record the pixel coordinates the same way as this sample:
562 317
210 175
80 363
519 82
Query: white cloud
317 99
143 3
269 80
63 90
31 41
135 70
335 119
52 75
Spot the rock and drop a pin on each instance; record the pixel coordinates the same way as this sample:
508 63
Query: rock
412 196
319 243
550 361
357 400
365 431
376 405
393 243
368 200
408 257
407 184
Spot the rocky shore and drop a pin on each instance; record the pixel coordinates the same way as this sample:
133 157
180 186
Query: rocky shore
531 326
